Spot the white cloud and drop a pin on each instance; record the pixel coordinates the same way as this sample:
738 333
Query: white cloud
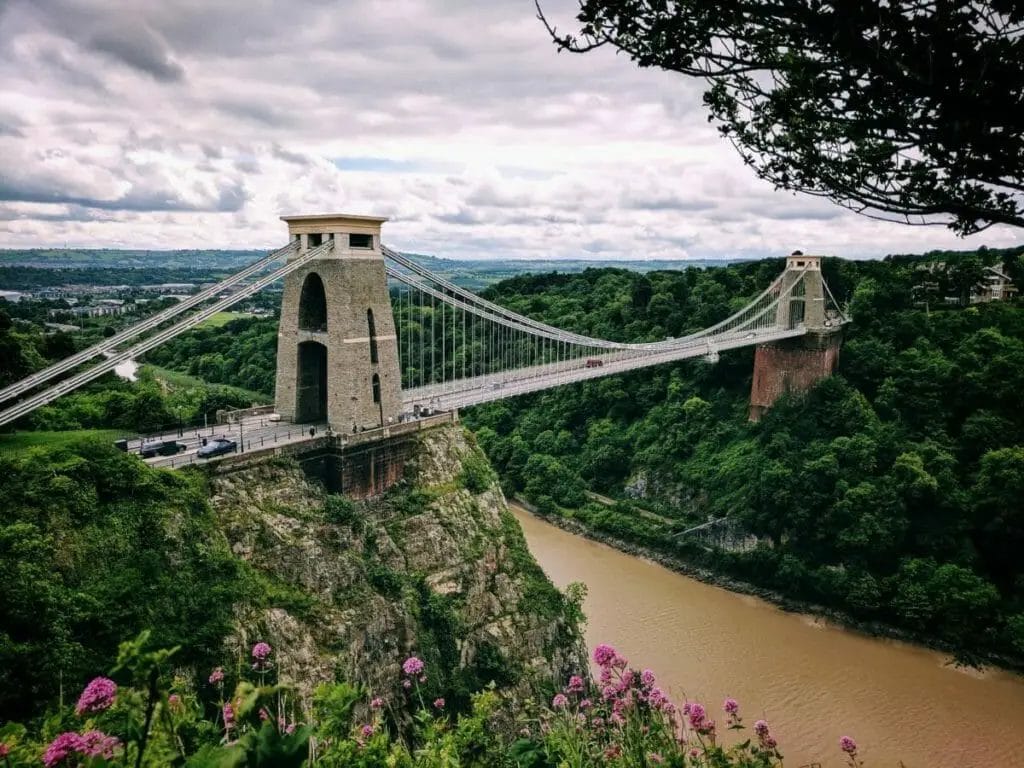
190 124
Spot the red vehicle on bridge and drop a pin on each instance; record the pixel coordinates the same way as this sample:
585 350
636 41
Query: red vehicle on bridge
593 362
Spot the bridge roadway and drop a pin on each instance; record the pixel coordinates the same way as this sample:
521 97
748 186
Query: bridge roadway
261 434
463 393
252 434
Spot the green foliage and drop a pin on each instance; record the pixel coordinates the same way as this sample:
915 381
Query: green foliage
476 475
339 509
385 581
94 544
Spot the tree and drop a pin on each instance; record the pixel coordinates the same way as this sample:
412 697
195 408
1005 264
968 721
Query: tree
908 110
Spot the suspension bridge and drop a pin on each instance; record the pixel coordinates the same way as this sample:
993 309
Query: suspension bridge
369 338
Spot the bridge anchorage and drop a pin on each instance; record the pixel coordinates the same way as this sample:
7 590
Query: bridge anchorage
371 342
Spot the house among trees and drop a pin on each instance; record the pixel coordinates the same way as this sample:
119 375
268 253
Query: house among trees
995 285
962 283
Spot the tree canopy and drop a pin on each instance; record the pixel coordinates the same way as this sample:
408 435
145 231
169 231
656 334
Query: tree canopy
908 110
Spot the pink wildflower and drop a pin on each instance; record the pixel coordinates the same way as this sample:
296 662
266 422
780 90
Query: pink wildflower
376 702
604 655
423 678
761 728
575 684
697 713
655 758
560 701
586 703
98 696
290 729
4 750
65 746
848 745
439 703
367 731
217 676
264 715
730 706
647 678
174 701
694 753
261 652
609 692
412 666
657 698
229 715
407 684
770 742
98 744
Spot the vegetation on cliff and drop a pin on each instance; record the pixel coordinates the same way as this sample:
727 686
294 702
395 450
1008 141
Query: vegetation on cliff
95 545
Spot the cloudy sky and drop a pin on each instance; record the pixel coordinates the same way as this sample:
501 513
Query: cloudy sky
196 123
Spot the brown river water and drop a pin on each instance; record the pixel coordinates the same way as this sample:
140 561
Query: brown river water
811 680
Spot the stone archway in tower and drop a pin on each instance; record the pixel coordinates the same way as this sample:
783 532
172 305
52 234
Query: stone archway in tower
311 383
313 304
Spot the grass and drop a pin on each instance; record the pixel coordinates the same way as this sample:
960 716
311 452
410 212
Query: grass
182 380
222 318
22 441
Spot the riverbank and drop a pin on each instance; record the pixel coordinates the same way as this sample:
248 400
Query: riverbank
785 602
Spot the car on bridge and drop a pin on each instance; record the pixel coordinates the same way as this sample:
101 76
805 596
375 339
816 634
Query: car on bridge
160 447
594 363
215 447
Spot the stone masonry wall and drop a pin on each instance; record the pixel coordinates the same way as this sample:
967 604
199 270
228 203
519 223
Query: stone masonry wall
790 366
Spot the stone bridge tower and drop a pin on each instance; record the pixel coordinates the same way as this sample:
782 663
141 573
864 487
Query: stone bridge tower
797 364
337 357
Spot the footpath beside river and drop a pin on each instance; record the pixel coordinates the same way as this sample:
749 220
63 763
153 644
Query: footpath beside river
812 680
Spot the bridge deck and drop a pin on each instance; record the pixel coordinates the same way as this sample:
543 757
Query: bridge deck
462 393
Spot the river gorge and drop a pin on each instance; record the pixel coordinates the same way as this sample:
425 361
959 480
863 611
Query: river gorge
811 680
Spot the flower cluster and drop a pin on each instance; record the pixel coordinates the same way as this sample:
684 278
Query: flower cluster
69 748
764 736
99 695
412 666
217 676
260 655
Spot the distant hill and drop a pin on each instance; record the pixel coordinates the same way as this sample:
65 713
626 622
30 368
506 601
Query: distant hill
80 265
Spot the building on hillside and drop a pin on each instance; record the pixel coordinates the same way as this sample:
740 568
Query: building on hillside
100 309
935 280
994 286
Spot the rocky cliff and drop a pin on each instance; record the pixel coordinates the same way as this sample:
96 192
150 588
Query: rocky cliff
437 567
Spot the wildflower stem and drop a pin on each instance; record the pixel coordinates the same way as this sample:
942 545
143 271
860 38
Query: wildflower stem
154 678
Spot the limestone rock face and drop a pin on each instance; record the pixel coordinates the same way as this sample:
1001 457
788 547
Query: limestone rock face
348 590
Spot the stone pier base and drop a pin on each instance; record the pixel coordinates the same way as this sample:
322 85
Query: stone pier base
792 365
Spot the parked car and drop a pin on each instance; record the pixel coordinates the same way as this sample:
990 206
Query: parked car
160 447
274 417
215 447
